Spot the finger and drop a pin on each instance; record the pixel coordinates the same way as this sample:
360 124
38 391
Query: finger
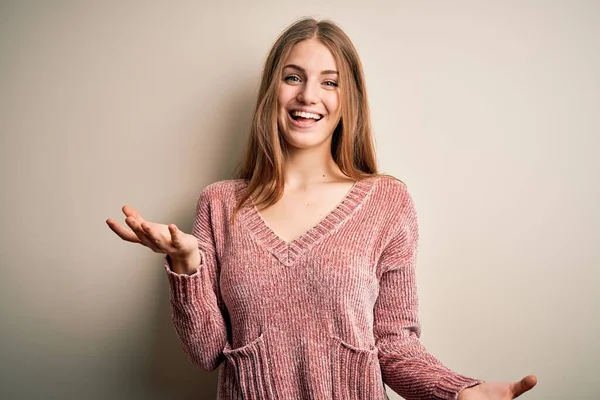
140 233
524 385
132 212
122 232
155 238
175 235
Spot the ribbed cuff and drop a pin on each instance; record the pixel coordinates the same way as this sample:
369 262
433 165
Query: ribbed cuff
450 386
185 288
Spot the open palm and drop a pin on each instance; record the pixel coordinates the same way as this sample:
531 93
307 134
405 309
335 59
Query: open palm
160 238
498 390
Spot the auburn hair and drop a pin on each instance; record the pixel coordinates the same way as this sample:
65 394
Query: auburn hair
352 146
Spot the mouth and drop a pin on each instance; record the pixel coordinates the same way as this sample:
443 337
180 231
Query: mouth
304 119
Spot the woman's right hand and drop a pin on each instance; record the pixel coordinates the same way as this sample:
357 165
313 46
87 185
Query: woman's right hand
182 248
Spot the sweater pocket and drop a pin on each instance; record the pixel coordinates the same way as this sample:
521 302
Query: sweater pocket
356 374
250 366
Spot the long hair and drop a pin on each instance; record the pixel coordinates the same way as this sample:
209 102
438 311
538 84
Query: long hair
352 145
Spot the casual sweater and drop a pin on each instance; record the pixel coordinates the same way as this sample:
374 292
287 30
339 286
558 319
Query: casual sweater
330 315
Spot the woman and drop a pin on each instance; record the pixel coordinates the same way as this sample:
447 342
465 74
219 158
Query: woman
299 276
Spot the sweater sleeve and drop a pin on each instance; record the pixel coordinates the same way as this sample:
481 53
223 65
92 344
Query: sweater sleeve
197 310
407 367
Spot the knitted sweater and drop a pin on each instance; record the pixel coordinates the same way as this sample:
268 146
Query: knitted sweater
331 315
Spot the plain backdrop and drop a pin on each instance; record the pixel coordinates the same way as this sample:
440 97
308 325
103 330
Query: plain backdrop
488 110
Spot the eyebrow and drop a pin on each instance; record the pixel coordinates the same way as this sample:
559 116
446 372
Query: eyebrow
299 68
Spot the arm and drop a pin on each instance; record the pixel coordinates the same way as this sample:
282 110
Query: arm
407 367
198 313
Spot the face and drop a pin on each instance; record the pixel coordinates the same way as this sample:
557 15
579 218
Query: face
308 98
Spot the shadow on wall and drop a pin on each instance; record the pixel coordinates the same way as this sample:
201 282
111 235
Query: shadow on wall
170 374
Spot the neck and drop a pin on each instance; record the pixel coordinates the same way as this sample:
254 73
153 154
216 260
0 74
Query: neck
304 167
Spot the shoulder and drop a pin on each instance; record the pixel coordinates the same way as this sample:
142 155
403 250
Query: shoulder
390 191
394 197
227 185
392 201
222 191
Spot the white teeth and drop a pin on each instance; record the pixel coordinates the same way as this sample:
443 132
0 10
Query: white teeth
306 115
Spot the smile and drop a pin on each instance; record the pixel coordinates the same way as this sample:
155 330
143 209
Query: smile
302 119
303 122
301 115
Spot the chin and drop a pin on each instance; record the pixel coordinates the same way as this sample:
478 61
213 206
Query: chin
305 140
305 144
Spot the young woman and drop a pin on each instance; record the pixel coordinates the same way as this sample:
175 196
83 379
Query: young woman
299 277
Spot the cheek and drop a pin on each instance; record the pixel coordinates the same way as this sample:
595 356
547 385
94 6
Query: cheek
333 104
284 95
281 104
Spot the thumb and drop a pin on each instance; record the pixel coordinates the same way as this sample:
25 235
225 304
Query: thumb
524 385
175 235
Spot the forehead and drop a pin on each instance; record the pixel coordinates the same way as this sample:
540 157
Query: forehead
312 55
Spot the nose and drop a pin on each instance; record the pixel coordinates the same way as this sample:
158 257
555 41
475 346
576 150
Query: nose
309 94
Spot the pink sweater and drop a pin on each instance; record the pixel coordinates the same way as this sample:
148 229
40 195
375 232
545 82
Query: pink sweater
332 315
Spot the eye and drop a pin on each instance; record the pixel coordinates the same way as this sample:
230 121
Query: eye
292 78
331 83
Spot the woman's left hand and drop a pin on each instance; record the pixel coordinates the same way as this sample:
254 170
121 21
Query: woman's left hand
498 390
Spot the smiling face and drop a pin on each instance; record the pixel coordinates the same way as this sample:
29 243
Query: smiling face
308 97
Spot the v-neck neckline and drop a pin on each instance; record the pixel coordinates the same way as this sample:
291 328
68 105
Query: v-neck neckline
288 252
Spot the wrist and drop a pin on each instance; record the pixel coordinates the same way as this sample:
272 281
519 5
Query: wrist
465 393
185 264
